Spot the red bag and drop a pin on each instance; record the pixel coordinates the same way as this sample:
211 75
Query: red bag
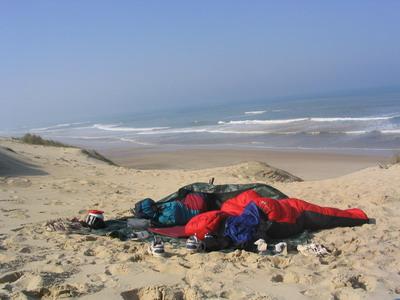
204 223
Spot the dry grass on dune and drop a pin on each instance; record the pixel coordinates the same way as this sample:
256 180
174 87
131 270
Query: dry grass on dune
96 155
34 139
396 159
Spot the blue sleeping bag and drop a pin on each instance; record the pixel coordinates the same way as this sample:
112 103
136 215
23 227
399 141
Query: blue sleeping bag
171 213
175 213
241 229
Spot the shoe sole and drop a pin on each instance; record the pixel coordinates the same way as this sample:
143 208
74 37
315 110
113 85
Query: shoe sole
161 254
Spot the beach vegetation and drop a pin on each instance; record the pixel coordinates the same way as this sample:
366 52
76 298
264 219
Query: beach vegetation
396 159
34 139
96 155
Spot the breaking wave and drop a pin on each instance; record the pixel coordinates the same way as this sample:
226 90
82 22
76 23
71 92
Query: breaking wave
362 119
56 127
115 127
135 142
311 119
255 112
203 130
261 122
267 132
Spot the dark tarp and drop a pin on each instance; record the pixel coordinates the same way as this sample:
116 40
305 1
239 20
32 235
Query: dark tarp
218 194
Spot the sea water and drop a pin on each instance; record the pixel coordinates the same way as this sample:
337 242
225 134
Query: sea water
338 122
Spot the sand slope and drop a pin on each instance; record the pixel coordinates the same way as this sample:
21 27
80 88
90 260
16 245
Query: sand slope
39 183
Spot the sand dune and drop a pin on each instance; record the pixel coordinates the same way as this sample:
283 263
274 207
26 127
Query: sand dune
39 183
14 164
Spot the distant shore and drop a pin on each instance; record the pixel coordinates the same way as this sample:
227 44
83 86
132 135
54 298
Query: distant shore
309 165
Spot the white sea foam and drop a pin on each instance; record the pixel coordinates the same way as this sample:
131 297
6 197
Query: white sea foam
218 131
391 131
255 112
83 137
135 142
362 119
202 130
311 119
262 122
115 127
360 132
356 132
50 127
56 127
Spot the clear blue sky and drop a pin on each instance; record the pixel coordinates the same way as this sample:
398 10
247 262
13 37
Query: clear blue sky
65 60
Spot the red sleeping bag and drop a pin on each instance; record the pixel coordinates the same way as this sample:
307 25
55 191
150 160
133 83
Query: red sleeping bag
287 216
204 223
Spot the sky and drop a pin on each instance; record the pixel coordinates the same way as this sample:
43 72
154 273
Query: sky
75 60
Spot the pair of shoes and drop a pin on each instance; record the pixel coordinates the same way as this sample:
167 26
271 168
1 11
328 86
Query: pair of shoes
157 247
193 244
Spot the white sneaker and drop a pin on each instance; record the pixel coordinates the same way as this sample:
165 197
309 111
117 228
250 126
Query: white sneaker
262 246
281 248
193 244
157 247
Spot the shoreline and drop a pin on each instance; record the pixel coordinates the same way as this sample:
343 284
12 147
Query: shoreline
309 165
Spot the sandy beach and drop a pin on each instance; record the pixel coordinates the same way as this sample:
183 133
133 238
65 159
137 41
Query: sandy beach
309 165
39 183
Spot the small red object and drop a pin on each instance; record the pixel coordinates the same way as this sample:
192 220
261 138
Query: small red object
96 212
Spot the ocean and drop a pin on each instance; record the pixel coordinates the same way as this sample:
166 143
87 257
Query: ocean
356 123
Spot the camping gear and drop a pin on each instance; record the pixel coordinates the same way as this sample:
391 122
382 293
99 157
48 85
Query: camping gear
174 231
241 229
156 247
136 223
215 195
170 213
213 242
202 224
145 209
138 235
193 244
191 200
174 213
220 216
95 219
283 218
195 202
